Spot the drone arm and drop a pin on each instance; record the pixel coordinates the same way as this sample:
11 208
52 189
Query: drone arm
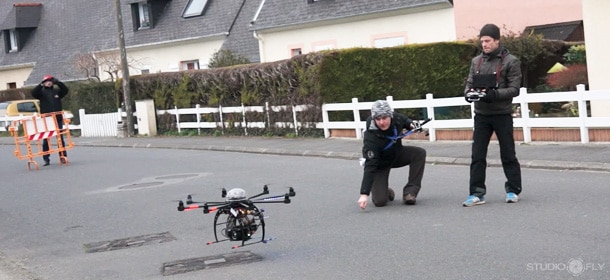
206 207
285 198
265 191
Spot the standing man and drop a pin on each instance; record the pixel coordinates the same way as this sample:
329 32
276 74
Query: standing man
496 75
383 150
50 101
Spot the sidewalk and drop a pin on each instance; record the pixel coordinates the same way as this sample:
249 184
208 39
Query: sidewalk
545 155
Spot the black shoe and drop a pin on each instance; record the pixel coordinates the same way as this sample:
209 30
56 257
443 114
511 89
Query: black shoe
46 162
409 199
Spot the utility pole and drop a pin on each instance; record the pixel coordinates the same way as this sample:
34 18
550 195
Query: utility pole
125 70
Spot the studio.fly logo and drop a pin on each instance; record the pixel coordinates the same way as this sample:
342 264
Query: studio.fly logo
575 266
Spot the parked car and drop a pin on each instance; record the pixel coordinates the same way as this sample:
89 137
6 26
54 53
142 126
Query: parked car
25 107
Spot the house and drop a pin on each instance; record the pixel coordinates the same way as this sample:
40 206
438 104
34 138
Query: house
597 28
572 31
512 16
285 28
74 41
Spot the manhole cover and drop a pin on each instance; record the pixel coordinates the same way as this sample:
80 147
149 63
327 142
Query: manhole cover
180 176
129 242
141 185
188 265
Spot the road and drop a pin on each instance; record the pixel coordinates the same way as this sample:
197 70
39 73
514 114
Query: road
51 217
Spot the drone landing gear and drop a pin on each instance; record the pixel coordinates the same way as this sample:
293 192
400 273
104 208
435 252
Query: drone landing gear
241 224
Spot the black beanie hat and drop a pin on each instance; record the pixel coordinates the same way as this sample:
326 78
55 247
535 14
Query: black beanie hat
490 30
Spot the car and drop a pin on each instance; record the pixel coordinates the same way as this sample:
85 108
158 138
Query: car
14 108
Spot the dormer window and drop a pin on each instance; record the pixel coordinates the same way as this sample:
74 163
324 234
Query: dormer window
194 8
141 12
19 24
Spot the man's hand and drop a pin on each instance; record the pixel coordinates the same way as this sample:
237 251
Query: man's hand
490 95
54 80
363 200
415 125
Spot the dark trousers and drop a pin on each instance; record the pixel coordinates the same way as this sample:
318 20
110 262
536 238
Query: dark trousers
45 142
415 157
484 127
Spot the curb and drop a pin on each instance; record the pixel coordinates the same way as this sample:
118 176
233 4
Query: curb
532 164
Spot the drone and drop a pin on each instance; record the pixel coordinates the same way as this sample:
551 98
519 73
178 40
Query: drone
237 218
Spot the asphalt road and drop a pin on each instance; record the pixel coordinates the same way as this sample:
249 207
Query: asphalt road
50 217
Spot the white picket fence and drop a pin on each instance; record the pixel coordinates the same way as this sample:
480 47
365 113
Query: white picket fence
525 121
106 125
198 111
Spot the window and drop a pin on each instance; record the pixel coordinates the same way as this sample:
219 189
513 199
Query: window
142 15
295 52
27 107
11 85
323 47
12 41
194 8
389 42
189 65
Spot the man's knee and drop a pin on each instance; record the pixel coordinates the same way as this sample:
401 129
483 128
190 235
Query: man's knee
380 203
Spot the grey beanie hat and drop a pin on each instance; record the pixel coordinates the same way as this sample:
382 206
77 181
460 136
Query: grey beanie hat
381 108
490 30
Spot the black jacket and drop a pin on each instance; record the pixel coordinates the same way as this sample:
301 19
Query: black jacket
379 150
509 81
50 98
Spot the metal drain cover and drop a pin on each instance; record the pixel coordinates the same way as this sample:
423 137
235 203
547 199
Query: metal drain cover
129 242
188 265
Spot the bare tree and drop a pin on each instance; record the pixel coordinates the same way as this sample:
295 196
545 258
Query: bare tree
94 63
87 64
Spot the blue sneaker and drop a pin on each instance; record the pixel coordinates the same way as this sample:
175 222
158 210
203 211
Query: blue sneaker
473 200
511 197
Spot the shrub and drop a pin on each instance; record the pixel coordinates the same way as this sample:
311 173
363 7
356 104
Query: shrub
569 78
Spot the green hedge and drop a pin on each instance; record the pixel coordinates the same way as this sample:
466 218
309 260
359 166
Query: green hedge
405 72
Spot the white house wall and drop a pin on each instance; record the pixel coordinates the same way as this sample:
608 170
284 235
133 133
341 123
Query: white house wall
597 28
426 27
15 75
167 58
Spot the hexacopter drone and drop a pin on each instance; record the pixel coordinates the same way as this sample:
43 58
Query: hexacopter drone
243 218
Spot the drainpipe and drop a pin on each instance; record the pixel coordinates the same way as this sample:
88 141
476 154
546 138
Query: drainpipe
261 46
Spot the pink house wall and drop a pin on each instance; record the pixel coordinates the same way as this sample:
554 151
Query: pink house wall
511 15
